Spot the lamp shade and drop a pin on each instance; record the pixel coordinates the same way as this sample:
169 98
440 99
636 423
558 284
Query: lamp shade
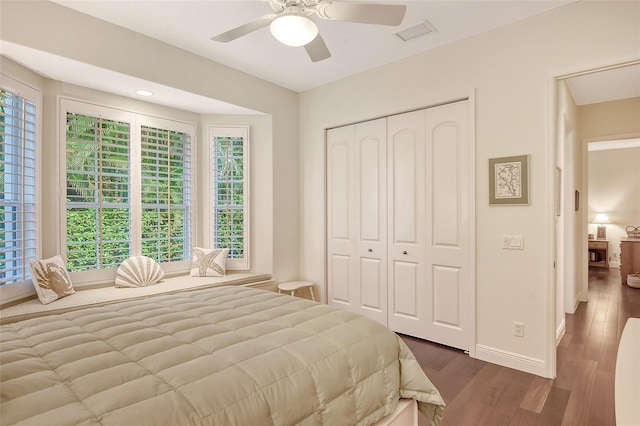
293 30
601 218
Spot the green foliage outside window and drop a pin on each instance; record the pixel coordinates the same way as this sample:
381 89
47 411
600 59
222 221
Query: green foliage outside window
165 194
86 249
98 206
99 193
229 195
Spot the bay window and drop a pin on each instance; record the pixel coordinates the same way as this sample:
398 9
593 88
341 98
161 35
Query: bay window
229 150
128 187
19 116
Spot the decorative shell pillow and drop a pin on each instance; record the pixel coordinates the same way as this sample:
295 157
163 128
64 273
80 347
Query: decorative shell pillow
50 279
138 271
209 262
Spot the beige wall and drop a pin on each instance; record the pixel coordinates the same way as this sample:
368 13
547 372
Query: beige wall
51 28
511 70
607 119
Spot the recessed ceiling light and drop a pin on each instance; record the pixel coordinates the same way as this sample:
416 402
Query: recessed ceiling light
143 92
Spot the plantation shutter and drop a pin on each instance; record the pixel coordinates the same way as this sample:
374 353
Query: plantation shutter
98 192
18 187
166 194
230 193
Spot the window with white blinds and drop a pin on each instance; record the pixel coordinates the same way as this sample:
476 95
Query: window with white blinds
166 194
230 184
98 192
18 237
128 182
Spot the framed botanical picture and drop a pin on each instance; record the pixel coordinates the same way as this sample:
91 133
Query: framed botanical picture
509 180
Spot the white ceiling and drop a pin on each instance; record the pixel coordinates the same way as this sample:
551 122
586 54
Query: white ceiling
190 24
603 86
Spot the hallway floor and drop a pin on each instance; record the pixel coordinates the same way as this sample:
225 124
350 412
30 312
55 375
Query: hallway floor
480 393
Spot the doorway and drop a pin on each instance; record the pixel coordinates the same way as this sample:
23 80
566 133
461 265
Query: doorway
593 106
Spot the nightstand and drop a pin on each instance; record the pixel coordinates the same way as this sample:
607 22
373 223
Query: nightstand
599 253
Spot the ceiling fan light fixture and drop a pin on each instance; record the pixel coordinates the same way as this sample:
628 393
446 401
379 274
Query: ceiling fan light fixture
293 30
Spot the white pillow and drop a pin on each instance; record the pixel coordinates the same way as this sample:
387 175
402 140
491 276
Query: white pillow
50 279
209 262
138 271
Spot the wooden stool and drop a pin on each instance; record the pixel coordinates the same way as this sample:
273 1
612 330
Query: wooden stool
292 286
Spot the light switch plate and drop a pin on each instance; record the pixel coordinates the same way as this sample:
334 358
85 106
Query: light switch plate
513 242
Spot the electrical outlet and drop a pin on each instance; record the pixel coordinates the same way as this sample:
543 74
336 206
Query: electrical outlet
518 329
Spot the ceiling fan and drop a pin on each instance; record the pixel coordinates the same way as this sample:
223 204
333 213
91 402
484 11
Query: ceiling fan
291 25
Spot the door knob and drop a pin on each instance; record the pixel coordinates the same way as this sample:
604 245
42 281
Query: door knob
370 250
404 252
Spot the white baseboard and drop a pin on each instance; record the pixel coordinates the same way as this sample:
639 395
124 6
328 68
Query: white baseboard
560 331
573 305
512 360
576 303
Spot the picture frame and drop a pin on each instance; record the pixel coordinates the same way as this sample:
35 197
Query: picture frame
509 180
602 233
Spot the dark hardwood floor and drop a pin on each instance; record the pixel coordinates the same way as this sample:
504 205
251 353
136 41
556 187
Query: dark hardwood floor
479 393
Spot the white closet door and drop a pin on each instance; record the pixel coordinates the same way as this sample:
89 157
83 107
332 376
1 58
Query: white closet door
371 222
450 294
341 237
406 209
399 216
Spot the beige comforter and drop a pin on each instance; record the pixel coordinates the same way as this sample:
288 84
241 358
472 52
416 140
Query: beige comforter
220 356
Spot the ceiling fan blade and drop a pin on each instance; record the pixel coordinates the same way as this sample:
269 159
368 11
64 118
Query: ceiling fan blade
363 13
245 29
317 49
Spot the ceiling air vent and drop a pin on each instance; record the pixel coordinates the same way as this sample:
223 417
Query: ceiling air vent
416 31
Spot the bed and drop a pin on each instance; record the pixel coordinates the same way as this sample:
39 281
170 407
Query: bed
217 356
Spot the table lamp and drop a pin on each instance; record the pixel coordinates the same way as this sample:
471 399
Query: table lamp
601 219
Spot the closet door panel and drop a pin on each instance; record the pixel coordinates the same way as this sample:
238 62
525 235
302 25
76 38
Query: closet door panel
371 218
406 210
449 288
372 285
341 191
444 156
340 279
405 277
340 218
446 294
405 228
370 190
